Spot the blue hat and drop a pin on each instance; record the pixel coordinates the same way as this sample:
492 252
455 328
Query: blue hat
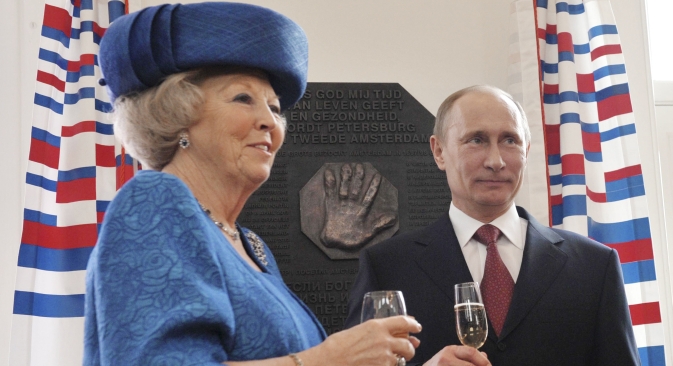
141 49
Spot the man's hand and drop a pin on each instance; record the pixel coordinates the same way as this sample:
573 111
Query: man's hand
349 220
459 356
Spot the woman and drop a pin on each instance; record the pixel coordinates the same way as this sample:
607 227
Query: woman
198 92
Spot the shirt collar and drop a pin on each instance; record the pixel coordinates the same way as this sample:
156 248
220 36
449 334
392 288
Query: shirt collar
465 226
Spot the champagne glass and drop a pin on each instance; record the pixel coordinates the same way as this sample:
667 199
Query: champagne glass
471 323
382 304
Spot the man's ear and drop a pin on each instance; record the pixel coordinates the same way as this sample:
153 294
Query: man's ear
527 149
437 150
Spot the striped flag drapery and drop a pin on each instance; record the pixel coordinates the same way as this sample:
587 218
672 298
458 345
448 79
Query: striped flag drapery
588 134
73 172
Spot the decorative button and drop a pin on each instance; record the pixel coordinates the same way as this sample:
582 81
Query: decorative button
502 346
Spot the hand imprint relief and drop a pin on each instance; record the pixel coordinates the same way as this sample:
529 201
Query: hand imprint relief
347 206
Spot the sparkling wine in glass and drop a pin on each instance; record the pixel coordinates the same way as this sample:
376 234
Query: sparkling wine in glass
382 304
471 323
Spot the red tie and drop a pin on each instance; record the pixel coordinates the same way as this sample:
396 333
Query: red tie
497 285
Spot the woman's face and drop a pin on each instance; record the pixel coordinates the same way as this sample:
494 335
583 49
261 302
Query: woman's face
239 129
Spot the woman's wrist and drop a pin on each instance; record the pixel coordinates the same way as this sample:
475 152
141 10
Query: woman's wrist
313 356
296 359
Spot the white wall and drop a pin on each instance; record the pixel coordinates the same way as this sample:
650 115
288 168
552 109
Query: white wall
10 207
431 47
663 93
19 24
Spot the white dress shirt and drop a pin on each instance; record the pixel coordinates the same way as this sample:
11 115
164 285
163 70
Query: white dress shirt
510 244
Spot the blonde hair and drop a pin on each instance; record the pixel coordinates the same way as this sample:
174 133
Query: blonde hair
149 122
445 109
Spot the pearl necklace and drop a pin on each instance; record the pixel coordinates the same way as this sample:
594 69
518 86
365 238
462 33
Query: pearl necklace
232 233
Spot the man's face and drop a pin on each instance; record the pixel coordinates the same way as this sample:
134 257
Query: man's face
483 153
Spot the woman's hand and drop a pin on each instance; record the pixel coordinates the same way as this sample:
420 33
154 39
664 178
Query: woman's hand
375 342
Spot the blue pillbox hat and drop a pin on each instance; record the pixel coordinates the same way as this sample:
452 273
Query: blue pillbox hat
141 49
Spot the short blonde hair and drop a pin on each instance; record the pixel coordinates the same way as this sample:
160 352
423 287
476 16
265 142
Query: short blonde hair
445 109
149 122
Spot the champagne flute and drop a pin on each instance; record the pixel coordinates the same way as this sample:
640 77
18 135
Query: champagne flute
471 323
382 304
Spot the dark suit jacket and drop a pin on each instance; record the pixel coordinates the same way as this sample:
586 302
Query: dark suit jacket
568 307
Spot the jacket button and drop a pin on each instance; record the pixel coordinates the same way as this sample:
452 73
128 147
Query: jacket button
502 346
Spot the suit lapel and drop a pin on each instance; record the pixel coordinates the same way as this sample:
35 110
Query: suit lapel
542 262
442 259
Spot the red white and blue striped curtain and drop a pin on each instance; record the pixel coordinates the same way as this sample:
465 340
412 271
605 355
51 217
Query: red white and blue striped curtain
74 169
588 134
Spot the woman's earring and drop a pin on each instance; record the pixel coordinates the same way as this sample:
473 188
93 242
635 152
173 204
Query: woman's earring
184 140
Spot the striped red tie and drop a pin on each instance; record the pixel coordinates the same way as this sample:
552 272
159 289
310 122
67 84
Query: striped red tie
497 285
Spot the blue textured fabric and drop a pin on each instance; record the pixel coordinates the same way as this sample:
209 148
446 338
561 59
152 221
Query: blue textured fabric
164 287
141 49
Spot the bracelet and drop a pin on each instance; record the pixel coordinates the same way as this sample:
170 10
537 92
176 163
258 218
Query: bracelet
296 359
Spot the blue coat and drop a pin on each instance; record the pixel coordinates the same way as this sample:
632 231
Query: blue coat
164 287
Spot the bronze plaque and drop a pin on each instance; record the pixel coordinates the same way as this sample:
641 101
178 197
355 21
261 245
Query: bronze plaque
346 207
355 169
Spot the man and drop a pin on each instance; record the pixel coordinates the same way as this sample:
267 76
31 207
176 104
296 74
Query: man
552 297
